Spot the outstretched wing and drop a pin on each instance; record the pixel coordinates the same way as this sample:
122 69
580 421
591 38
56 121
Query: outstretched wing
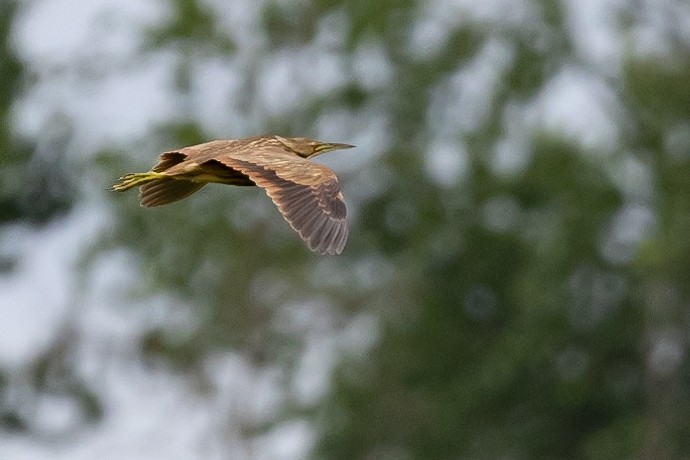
178 186
306 193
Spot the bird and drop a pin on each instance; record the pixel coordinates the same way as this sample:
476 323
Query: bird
306 193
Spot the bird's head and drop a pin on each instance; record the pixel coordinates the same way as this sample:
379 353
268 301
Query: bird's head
306 147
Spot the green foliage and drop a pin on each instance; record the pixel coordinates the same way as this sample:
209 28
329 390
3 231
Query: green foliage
661 86
34 186
193 27
501 335
494 363
511 321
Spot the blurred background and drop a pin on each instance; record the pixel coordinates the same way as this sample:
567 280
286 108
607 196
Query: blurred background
517 280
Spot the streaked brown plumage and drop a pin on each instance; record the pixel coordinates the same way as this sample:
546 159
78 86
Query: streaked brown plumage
306 193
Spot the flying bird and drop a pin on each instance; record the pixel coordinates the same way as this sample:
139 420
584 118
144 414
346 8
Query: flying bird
306 193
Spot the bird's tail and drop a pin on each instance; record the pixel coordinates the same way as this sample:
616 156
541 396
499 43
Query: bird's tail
134 180
157 188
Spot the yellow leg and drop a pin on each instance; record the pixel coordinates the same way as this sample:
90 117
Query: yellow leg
134 180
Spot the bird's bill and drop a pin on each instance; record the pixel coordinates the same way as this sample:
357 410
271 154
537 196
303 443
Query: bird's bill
339 146
327 147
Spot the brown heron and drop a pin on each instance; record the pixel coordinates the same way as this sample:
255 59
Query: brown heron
306 193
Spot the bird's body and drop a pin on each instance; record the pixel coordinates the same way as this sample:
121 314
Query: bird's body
306 193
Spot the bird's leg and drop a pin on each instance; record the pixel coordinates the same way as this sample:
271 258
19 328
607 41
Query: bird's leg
134 180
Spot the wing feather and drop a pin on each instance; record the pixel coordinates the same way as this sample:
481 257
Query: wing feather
306 193
164 191
167 160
